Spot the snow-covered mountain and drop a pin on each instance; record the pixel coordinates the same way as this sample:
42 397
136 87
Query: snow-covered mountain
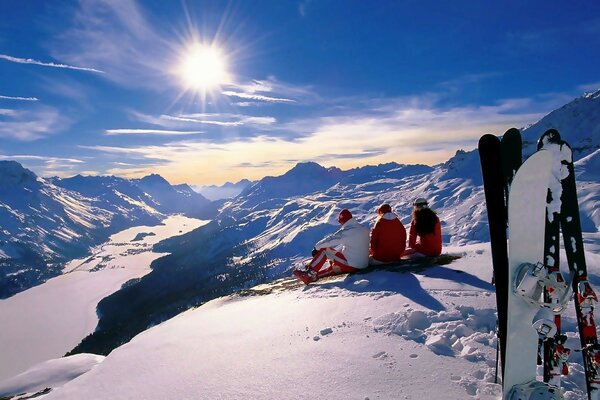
578 122
271 227
174 199
46 222
226 191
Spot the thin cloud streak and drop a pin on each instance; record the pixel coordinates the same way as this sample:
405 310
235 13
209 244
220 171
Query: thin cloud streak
47 64
256 97
112 132
189 120
19 98
40 158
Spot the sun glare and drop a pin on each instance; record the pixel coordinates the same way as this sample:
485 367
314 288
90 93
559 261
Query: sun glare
203 68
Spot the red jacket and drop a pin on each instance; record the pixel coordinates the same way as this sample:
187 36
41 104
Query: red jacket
388 238
429 244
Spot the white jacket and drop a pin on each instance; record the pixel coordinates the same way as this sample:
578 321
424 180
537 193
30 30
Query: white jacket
353 238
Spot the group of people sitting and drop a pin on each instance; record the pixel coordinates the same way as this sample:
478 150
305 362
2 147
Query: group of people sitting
352 247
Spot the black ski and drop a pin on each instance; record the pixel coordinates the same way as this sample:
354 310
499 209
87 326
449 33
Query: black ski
584 295
493 183
512 157
555 354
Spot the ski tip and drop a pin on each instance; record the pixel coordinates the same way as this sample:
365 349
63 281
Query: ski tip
488 140
512 132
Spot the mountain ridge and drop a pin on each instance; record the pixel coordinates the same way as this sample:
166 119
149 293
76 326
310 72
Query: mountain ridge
47 222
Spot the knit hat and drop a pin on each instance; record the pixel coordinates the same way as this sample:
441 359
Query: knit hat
420 202
344 216
384 208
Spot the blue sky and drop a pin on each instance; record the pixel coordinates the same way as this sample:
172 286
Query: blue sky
107 86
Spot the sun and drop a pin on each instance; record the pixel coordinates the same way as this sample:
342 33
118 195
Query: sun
203 67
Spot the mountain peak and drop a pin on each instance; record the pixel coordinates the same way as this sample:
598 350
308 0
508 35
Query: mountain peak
310 167
154 179
592 95
13 174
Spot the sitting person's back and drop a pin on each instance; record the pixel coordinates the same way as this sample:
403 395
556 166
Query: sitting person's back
347 250
425 235
388 237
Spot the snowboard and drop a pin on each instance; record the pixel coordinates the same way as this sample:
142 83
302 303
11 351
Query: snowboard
526 216
414 265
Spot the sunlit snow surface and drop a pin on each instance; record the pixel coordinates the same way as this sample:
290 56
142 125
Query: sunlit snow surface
382 335
48 320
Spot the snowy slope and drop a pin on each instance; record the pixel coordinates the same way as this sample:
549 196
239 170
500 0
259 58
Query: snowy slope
382 335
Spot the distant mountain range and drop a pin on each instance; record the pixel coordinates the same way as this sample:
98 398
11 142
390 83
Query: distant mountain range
46 222
226 191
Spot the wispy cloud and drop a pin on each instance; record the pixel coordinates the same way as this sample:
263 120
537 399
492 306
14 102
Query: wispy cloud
271 90
47 64
8 112
190 120
116 37
256 97
149 132
41 158
19 98
29 125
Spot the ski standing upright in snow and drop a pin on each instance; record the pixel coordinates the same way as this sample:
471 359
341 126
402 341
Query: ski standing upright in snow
584 296
557 290
500 159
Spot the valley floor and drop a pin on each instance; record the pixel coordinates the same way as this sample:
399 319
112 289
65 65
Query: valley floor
48 320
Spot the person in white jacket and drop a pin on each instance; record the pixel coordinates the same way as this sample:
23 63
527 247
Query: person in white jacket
347 250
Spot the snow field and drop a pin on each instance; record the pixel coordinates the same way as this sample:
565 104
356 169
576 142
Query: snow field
48 320
382 335
373 336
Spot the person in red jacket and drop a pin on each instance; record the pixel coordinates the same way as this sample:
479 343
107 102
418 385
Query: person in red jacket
425 234
388 237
